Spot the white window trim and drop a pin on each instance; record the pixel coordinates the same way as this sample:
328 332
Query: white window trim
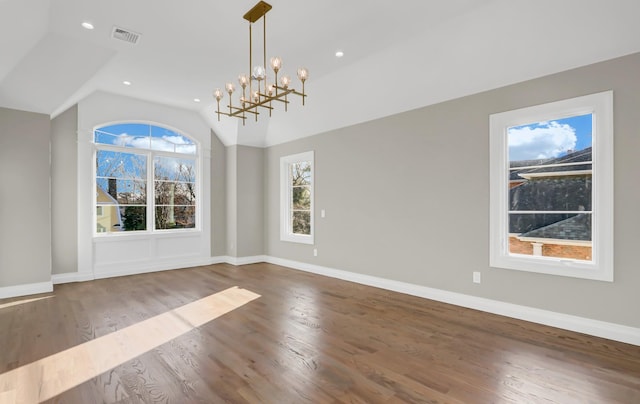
601 266
286 232
150 205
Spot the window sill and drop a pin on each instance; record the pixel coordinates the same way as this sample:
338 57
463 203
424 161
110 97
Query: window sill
300 239
110 237
553 266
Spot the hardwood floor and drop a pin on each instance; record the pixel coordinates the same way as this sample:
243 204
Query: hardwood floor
305 338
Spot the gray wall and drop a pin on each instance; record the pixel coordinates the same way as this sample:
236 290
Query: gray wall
250 209
407 197
64 192
245 193
231 197
25 218
218 197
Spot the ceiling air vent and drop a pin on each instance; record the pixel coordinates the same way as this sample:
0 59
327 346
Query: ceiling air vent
125 35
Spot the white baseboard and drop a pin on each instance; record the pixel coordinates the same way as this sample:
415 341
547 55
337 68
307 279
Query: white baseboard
26 289
612 331
223 259
110 271
245 260
72 277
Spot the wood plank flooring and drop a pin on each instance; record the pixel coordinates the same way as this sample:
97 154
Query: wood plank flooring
305 339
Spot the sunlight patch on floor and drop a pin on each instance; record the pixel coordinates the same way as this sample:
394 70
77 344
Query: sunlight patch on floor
55 374
23 301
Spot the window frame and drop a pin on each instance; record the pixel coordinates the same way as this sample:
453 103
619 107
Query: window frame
286 189
601 266
150 205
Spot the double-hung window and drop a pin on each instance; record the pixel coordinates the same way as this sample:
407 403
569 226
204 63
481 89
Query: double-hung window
552 188
296 198
145 179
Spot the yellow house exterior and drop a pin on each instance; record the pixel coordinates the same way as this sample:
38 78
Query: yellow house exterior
108 217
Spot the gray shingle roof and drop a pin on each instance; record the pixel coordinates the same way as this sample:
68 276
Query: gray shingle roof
577 227
555 194
583 155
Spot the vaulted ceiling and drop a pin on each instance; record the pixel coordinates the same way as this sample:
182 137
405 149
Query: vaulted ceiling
399 55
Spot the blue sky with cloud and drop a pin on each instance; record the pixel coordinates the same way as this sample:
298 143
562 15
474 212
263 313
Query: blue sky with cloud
550 139
145 136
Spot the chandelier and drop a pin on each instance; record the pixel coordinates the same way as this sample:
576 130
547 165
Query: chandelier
259 91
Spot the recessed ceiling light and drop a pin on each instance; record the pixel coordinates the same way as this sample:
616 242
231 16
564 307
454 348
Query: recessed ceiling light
196 100
339 54
126 83
87 25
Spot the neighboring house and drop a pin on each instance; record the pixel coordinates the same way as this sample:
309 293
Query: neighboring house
107 212
556 184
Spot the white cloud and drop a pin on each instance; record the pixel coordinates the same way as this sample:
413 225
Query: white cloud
166 143
125 140
176 139
541 140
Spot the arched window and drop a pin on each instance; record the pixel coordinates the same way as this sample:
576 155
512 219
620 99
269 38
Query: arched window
145 179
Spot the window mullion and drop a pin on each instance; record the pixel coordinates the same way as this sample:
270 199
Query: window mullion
151 190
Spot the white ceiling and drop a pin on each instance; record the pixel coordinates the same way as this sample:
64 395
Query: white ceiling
399 55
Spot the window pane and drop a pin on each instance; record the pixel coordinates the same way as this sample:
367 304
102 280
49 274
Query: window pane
301 198
144 136
186 148
550 170
108 218
177 217
125 192
175 193
550 139
116 218
124 134
131 129
566 236
167 140
563 193
174 169
163 145
301 173
301 223
120 165
105 138
120 183
134 217
551 226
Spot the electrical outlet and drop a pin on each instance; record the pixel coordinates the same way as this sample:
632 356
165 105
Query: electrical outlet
476 277
315 252
322 213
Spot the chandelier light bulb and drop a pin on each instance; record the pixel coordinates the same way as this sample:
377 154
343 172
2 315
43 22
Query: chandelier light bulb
303 74
243 80
259 73
276 63
256 96
230 88
285 81
270 89
218 94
